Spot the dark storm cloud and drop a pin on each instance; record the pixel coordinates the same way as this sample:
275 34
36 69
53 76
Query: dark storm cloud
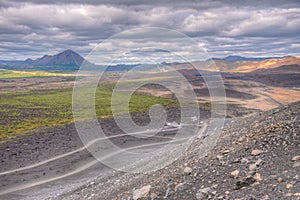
225 27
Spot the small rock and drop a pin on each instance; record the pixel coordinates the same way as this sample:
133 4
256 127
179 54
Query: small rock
288 186
252 167
296 164
202 194
242 139
188 170
180 186
259 162
256 152
219 157
205 190
280 179
295 158
235 173
244 160
257 177
244 183
265 197
250 173
225 151
141 193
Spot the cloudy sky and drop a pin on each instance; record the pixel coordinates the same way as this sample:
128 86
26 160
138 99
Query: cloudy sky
37 27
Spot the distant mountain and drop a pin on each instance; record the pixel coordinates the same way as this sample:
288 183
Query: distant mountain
240 58
234 58
71 61
66 58
65 61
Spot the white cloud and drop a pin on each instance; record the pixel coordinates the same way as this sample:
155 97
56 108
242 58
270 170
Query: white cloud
38 27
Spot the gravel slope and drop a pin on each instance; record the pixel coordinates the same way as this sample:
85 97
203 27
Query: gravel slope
255 158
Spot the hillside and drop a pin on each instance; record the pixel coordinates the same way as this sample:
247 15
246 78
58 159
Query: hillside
239 64
282 76
233 64
256 158
267 64
284 69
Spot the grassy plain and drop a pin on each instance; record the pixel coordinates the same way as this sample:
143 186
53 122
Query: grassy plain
23 112
4 73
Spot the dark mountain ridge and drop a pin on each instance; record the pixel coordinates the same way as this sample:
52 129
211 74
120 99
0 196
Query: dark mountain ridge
65 61
65 58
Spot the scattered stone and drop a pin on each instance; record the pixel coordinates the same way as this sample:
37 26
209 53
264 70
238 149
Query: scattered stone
257 177
242 139
219 157
244 160
295 158
289 194
293 194
141 193
280 180
252 167
296 164
251 173
225 151
244 183
201 196
259 162
255 165
256 152
188 170
235 173
180 186
265 197
288 186
203 193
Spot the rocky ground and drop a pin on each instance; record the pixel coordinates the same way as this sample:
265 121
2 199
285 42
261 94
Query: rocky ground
49 142
257 157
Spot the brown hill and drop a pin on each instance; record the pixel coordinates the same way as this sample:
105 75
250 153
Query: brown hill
248 66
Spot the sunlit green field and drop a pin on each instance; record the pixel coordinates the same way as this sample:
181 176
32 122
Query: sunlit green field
29 74
22 112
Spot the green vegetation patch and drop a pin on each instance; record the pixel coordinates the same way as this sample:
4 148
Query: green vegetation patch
28 74
23 112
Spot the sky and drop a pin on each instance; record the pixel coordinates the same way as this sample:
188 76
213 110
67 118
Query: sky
32 28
